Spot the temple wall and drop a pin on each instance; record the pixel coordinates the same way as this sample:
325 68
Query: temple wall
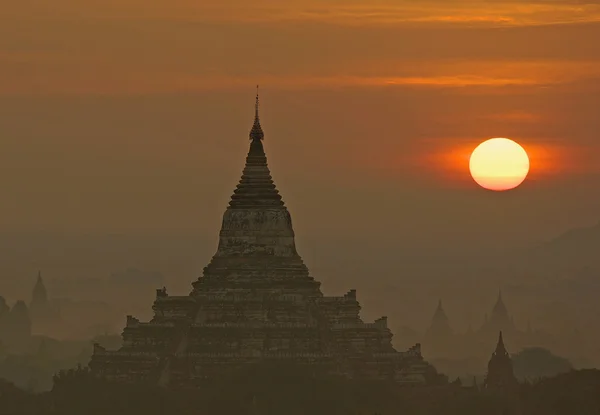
257 231
220 283
209 366
248 310
345 309
239 339
362 340
172 308
147 336
124 366
194 367
199 367
257 222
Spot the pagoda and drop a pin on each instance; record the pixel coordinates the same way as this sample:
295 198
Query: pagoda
440 325
439 338
500 373
256 303
500 320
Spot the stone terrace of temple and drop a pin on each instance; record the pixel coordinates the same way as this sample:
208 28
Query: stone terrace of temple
256 302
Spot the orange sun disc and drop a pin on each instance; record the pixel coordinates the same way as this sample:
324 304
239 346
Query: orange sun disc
499 164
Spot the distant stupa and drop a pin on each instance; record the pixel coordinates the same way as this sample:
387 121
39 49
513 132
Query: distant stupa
440 325
500 370
499 319
40 294
41 310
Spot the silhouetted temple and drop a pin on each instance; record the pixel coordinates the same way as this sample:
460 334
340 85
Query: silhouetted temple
256 302
500 370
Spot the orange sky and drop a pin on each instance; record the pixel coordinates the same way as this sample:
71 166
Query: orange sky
131 115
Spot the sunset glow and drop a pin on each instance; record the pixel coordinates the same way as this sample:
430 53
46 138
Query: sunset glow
128 84
499 164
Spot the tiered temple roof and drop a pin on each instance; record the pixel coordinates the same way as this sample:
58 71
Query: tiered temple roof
256 302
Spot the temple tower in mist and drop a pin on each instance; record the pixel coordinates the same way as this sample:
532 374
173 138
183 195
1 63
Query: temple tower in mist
39 296
500 373
256 303
440 324
257 249
499 319
439 337
42 312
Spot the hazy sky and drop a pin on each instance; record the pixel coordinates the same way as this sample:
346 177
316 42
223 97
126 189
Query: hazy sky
129 115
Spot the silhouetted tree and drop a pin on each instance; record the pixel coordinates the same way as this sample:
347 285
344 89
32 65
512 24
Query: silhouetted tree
570 393
536 362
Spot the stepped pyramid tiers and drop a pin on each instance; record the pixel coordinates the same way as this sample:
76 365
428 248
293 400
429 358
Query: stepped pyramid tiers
255 303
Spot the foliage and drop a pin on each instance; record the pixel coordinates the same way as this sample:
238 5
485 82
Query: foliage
271 389
570 393
536 362
34 370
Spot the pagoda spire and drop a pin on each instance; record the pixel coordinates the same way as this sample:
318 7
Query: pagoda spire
256 247
499 300
500 371
256 188
440 325
440 314
256 133
500 348
39 295
440 308
500 312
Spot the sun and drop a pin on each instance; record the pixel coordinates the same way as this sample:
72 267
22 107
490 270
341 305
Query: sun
499 164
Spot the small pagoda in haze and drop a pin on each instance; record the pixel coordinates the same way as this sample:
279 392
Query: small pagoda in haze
500 373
